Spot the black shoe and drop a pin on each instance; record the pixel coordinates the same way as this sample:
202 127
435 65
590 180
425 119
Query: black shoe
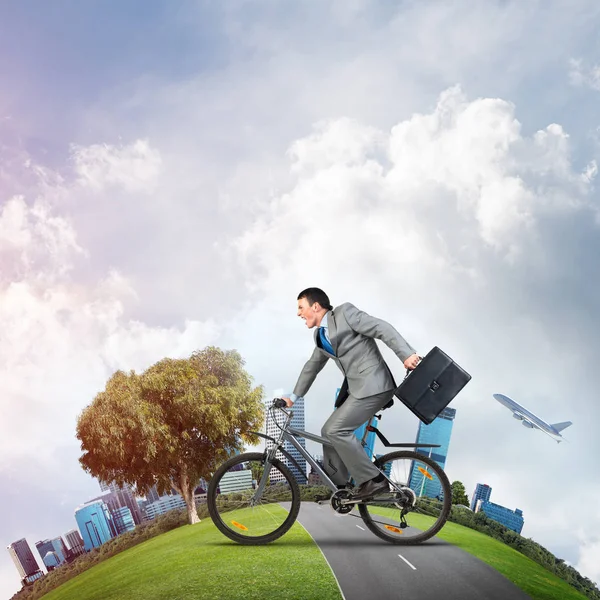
370 488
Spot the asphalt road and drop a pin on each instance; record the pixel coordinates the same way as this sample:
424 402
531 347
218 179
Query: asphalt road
367 568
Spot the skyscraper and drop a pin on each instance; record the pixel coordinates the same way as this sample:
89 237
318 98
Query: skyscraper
123 520
152 494
22 556
437 432
272 429
75 541
54 546
125 497
482 492
95 524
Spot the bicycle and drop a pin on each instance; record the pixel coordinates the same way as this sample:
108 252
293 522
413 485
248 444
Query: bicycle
259 509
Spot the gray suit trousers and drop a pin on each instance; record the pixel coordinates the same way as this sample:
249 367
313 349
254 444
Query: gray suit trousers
347 453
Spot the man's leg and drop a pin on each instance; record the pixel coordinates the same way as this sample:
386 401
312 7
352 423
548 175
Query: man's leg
347 453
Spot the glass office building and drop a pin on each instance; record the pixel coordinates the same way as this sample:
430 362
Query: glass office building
164 505
439 432
273 430
482 492
124 496
74 540
235 481
513 519
51 560
56 546
152 495
22 556
123 520
95 524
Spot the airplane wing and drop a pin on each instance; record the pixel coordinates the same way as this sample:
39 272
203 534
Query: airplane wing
530 420
527 422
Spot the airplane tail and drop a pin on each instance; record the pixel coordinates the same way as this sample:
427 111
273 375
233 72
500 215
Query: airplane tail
561 426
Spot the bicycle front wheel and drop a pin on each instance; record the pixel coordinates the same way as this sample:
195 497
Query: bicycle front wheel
420 511
238 511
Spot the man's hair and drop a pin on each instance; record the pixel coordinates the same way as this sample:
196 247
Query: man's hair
313 295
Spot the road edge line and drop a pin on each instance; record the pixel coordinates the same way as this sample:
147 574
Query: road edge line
323 553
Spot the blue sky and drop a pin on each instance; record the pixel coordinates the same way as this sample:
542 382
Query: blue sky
168 173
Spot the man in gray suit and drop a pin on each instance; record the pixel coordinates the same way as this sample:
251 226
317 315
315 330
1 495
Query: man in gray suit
347 335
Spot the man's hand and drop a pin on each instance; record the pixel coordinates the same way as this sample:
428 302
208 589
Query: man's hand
287 401
412 361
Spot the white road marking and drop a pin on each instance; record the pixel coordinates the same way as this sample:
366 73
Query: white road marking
411 566
360 527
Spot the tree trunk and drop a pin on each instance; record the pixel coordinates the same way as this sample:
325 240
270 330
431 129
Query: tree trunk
187 492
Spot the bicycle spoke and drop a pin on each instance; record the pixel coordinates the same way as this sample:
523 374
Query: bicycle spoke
237 512
419 510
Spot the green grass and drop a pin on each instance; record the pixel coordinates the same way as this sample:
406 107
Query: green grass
197 561
532 578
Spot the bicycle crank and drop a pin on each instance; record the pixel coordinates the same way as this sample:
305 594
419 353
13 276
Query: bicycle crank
341 502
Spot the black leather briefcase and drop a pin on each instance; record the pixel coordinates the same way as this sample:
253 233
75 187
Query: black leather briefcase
431 386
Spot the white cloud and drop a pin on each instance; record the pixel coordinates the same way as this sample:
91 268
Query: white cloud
580 75
135 167
34 241
61 339
464 167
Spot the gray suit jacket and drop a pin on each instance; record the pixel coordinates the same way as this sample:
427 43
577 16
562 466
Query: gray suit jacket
352 333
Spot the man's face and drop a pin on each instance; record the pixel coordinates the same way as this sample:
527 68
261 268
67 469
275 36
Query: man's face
309 312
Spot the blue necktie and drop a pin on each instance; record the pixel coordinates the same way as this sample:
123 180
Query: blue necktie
326 345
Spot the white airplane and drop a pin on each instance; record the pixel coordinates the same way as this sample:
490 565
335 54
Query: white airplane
530 420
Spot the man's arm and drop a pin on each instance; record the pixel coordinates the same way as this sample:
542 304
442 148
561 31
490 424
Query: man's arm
363 323
307 376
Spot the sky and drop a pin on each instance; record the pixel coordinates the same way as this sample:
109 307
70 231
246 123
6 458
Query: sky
173 174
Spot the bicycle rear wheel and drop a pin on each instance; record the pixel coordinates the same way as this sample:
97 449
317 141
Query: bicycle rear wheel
237 511
423 507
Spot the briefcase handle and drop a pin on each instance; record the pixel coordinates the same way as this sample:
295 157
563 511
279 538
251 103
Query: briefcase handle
409 371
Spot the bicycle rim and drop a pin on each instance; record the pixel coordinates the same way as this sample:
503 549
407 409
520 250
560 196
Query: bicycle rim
236 510
420 511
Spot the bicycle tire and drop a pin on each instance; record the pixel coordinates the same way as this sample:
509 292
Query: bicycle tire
211 500
445 484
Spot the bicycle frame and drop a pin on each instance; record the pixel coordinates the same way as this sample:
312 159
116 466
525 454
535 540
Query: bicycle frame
290 434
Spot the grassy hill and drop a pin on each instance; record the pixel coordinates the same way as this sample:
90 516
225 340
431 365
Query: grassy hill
532 578
195 561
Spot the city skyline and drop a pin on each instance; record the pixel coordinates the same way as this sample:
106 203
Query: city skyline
114 514
119 520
